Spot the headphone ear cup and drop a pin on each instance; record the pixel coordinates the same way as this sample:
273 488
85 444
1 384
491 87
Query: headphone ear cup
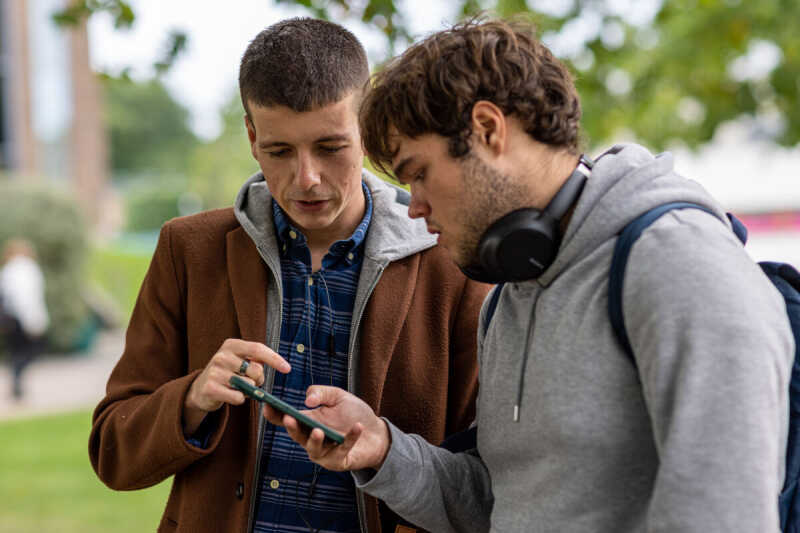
522 244
519 246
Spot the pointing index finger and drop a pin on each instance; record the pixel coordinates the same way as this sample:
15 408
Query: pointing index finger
257 351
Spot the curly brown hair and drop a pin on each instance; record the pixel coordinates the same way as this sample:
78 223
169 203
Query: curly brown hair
433 85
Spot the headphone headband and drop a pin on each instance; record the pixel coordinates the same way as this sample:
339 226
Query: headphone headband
570 190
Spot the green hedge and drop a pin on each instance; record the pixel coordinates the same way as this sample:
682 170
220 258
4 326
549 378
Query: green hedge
52 222
119 273
152 199
149 206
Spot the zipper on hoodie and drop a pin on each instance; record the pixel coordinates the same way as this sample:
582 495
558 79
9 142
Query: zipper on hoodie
269 380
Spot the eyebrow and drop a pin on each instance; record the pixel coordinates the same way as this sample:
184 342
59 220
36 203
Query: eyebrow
331 138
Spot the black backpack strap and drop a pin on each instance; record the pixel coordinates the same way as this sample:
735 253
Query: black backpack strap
619 261
492 306
462 441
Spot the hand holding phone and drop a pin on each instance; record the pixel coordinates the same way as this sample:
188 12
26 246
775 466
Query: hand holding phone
262 396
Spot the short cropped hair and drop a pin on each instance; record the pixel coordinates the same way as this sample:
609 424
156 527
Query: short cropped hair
433 86
302 64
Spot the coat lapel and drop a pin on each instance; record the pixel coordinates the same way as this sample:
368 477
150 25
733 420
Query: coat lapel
391 298
248 277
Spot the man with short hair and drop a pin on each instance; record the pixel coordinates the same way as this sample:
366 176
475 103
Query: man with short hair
573 435
316 276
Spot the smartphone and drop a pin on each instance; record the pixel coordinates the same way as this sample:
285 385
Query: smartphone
238 383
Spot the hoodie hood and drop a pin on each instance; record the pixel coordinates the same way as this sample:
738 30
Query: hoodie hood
625 182
391 235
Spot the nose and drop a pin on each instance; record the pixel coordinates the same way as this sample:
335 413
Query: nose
418 207
308 174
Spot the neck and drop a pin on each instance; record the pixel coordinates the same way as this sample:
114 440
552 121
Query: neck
320 240
546 171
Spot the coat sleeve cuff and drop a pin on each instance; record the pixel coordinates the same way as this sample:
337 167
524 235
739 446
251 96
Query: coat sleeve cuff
209 434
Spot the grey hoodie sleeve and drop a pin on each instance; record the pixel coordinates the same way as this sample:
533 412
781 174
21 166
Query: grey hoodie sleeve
433 488
714 351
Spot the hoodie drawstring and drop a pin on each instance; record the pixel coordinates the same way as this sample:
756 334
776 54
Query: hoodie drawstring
521 384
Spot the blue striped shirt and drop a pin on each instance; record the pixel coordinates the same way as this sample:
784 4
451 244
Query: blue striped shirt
293 493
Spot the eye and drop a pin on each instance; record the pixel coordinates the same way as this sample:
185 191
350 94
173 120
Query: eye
419 175
331 149
279 153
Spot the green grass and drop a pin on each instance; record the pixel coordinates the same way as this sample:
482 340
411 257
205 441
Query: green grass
47 483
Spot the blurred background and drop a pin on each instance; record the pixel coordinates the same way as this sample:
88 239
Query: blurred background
116 116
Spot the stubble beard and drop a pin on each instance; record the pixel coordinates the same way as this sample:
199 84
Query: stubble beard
488 195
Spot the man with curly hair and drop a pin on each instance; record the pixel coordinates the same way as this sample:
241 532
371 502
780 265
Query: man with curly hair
573 434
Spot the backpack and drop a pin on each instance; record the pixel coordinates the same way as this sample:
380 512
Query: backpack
787 280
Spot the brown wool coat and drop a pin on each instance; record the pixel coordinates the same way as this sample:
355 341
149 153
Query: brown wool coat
207 283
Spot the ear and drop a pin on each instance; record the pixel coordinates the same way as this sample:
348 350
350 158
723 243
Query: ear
251 134
489 127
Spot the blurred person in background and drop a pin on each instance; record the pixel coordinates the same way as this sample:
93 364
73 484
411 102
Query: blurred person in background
23 305
316 275
687 432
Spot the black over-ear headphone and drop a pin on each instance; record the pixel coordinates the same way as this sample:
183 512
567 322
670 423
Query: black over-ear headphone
521 245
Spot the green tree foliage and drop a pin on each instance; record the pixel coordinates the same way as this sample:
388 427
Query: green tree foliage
149 131
220 167
51 221
123 16
383 14
675 75
76 10
695 66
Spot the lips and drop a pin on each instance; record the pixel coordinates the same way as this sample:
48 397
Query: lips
310 205
432 228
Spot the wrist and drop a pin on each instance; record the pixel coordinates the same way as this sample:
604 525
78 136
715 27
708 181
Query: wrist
193 415
192 418
385 442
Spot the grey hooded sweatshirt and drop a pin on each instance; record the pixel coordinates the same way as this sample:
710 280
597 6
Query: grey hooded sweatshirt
692 441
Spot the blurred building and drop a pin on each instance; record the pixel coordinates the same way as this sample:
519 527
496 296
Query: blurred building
757 181
51 124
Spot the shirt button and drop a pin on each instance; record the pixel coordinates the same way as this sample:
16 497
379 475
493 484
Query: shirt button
293 234
310 280
350 256
274 484
301 348
240 490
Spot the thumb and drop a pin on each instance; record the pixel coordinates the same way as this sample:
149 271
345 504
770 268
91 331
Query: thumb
317 395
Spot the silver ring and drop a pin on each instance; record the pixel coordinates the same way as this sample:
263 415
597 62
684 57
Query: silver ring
243 367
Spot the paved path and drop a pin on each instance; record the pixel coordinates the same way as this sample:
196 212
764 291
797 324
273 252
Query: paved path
64 382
